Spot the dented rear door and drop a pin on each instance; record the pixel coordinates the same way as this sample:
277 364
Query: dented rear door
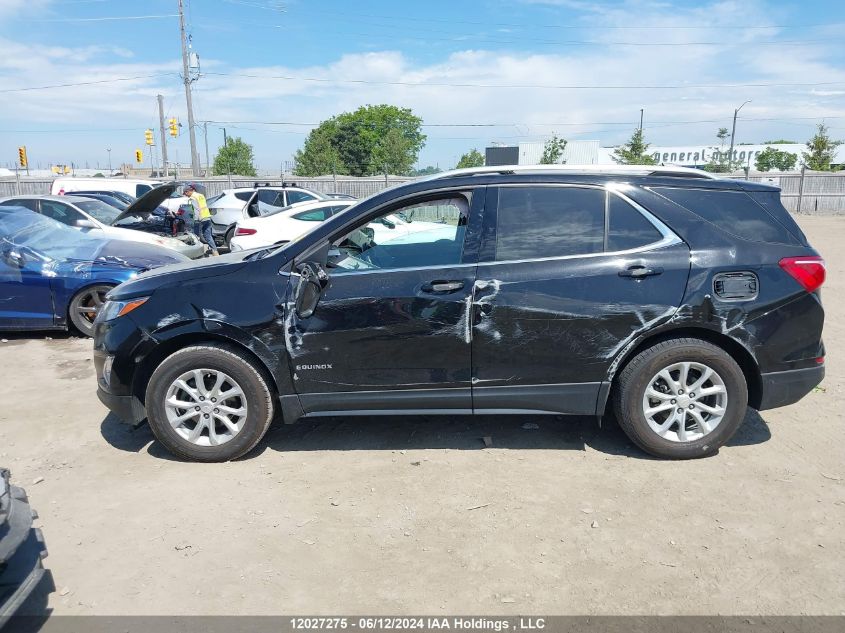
547 327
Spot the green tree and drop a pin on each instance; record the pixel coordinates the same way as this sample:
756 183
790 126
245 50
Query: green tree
374 139
634 152
426 171
318 157
472 158
553 151
771 158
235 157
820 150
720 161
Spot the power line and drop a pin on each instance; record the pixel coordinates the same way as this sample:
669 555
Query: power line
463 38
415 19
103 19
84 83
527 86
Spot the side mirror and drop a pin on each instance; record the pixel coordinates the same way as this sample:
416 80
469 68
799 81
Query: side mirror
85 224
312 280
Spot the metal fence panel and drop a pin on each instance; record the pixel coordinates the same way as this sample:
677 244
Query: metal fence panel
820 193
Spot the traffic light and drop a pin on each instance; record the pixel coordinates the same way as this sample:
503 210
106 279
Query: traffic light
22 156
148 137
139 156
174 127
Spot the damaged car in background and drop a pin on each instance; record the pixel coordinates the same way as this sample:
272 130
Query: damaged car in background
139 222
52 276
668 298
21 551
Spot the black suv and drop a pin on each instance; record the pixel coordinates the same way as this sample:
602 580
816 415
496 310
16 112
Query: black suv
674 298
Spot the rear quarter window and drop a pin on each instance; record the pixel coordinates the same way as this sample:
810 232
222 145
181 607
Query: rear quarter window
734 212
243 195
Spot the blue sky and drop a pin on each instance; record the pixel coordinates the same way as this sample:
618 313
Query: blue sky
582 69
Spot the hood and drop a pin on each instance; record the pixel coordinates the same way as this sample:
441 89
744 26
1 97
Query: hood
147 203
120 254
183 272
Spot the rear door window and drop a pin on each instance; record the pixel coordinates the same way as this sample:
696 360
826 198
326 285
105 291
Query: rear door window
732 211
539 222
316 215
243 195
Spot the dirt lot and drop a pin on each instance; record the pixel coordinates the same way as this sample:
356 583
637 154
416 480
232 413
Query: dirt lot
414 515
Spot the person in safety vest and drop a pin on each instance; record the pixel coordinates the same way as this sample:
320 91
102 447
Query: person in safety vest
202 217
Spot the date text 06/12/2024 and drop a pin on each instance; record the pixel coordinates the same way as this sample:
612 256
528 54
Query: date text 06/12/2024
456 623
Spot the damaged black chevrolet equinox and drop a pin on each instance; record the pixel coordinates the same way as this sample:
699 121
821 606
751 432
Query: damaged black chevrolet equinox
672 299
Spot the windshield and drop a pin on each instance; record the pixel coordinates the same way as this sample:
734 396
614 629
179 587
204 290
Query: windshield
46 236
99 210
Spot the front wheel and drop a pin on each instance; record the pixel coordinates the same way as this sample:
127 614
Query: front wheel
208 403
681 399
84 306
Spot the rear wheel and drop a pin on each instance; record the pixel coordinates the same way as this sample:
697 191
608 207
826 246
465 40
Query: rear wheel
208 403
227 240
681 399
84 306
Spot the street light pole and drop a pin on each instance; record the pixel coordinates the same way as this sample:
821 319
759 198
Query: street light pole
733 134
108 149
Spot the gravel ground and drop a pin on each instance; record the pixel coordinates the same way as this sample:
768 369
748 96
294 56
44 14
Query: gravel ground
415 515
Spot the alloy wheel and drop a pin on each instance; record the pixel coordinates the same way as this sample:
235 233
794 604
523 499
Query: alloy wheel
206 407
685 401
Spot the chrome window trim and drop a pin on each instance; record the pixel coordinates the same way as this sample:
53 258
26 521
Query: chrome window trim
669 237
341 271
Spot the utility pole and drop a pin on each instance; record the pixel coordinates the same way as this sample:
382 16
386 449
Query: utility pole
207 163
163 134
733 133
641 120
187 79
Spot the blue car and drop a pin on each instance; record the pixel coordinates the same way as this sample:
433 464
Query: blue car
52 276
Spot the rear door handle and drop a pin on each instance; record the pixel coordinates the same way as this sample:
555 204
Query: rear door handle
443 286
639 272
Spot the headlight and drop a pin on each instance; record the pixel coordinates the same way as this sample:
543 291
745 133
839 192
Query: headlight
113 309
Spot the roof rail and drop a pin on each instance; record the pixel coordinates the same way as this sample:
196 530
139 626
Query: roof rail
632 170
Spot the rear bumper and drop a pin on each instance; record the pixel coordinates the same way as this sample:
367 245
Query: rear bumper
787 387
127 408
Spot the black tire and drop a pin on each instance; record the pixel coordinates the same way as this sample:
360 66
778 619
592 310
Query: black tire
631 385
84 305
257 394
227 239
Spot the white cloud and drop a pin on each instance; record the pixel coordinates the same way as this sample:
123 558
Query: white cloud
737 56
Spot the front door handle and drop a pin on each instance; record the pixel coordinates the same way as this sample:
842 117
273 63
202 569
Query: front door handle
640 272
443 286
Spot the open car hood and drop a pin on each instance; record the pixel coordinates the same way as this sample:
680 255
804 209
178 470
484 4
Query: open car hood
145 205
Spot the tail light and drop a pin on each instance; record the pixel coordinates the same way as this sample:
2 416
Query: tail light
807 271
243 231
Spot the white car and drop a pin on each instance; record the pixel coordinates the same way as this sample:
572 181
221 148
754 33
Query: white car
234 205
95 216
288 224
135 187
284 225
